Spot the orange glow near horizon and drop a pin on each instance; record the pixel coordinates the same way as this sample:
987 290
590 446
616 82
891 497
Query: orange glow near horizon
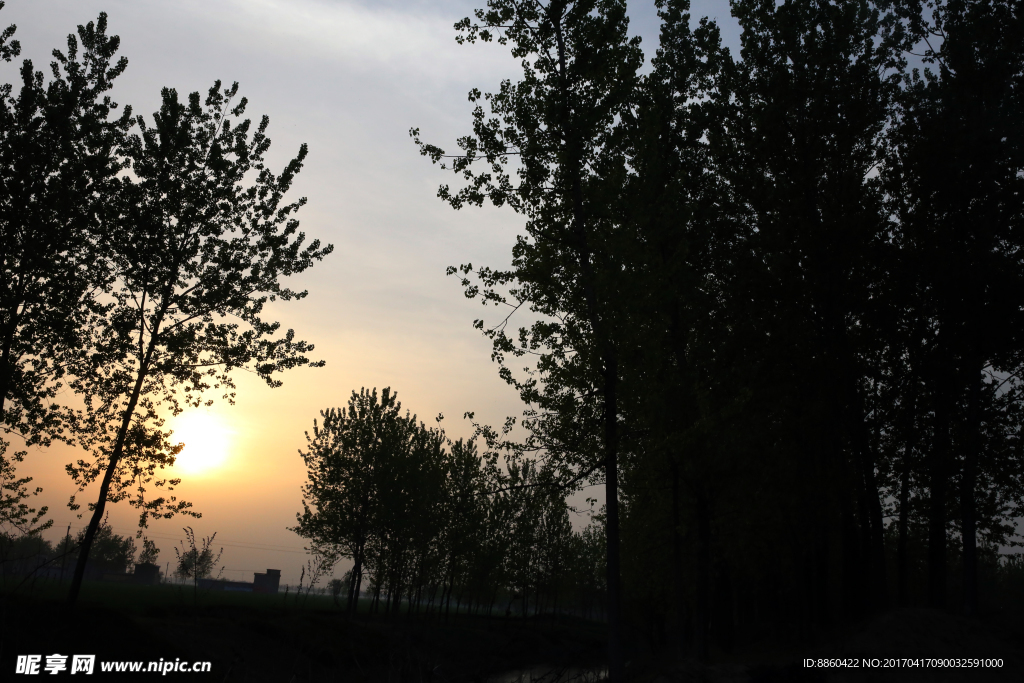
207 441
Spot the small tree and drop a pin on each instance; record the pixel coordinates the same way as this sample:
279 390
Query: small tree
336 587
348 457
320 565
197 561
149 552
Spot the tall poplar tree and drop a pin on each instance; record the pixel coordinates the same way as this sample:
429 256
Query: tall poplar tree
580 72
59 154
197 250
957 181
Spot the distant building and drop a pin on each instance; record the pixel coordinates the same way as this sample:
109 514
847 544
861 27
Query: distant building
266 583
147 573
261 583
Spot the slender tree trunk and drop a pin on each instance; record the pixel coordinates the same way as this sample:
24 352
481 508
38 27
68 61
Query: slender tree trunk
115 457
356 584
570 135
726 610
448 600
419 588
869 501
703 612
902 580
616 663
939 486
677 560
409 598
968 481
852 584
874 523
821 577
433 596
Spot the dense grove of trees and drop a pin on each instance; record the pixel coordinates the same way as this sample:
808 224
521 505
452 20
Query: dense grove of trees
29 557
776 296
432 526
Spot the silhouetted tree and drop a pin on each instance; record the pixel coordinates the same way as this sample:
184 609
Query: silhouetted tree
580 71
193 241
59 153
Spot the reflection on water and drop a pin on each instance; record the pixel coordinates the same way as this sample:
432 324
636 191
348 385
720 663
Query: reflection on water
551 674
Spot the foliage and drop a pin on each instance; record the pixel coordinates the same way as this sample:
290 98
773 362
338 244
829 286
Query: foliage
111 552
781 287
196 561
149 553
338 586
59 144
429 521
200 250
20 553
580 73
136 289
15 513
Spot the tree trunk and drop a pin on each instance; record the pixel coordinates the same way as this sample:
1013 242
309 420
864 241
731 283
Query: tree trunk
448 601
726 610
869 501
875 526
821 580
115 457
616 664
939 482
968 511
357 584
677 561
570 135
902 581
852 583
702 632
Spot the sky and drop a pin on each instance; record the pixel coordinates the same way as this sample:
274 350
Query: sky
349 78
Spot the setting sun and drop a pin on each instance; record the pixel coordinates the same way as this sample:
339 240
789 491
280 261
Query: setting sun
207 442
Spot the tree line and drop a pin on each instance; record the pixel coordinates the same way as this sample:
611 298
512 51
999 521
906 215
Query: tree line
774 298
431 524
138 256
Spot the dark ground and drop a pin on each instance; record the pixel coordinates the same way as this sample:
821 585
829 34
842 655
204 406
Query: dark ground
257 638
270 638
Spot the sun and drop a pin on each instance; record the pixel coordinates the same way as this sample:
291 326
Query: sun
207 442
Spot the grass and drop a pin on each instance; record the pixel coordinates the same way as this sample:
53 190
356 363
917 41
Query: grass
254 637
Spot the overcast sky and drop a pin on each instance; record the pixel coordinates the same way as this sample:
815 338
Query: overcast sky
348 77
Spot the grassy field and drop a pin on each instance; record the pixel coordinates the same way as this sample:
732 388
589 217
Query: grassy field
253 637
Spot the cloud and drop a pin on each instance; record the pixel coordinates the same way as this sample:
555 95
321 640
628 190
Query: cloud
368 39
